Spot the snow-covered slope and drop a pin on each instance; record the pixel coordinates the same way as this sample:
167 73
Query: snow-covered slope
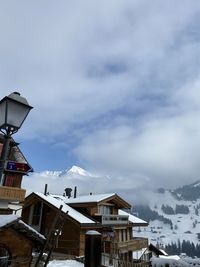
163 229
183 217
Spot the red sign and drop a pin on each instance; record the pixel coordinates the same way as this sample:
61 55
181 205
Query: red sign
13 166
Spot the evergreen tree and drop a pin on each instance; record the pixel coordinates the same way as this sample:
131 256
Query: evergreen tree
182 209
167 209
190 249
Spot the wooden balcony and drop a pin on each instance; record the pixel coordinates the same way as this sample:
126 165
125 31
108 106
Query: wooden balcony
12 193
112 219
133 244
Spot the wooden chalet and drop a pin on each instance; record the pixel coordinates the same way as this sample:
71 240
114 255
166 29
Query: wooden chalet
17 240
117 225
102 212
11 193
39 212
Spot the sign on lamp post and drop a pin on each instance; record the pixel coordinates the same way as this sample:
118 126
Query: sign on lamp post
13 111
13 166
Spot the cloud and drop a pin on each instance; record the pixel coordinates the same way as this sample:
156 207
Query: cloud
86 184
116 80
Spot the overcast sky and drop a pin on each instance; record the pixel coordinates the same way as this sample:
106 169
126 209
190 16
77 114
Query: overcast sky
115 85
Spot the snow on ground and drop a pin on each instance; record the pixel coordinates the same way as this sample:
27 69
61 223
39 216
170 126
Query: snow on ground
158 262
185 226
172 262
65 263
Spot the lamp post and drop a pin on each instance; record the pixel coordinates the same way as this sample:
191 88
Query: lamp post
13 111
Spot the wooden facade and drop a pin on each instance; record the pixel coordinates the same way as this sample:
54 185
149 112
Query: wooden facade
72 239
16 167
12 193
19 255
17 240
116 230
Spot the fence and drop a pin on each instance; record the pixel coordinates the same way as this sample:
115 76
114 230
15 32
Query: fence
111 255
115 261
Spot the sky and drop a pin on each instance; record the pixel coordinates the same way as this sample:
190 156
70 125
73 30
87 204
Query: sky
114 86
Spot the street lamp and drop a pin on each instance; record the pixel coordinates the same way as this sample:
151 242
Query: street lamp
13 111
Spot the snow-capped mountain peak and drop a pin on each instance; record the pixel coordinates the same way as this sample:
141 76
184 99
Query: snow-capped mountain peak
72 172
77 170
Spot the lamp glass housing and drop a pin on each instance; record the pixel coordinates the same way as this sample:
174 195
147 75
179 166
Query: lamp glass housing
13 112
2 113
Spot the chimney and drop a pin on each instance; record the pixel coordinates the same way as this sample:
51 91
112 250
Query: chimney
45 190
68 192
75 191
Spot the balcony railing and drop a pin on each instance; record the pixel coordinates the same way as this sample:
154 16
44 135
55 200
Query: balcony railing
136 243
112 219
12 193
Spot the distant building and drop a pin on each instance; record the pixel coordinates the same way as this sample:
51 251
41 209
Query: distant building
102 212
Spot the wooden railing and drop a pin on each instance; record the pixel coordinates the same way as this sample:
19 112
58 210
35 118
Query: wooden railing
112 219
122 263
114 260
12 193
133 244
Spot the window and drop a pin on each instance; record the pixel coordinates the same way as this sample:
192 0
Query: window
122 235
105 210
36 214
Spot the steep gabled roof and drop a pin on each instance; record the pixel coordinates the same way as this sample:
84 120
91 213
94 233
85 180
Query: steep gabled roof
157 251
98 198
74 214
135 220
14 222
89 198
15 154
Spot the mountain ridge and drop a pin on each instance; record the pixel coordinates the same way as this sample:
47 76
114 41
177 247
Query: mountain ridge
173 215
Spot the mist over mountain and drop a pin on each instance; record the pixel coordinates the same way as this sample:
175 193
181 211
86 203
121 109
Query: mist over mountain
136 189
188 192
57 181
85 181
173 215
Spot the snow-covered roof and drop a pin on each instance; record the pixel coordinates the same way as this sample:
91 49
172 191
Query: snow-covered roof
135 220
94 198
16 154
89 198
174 261
66 208
7 219
173 257
15 222
138 253
164 252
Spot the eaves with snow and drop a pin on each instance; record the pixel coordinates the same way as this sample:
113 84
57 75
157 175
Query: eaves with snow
69 211
135 220
13 221
98 199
